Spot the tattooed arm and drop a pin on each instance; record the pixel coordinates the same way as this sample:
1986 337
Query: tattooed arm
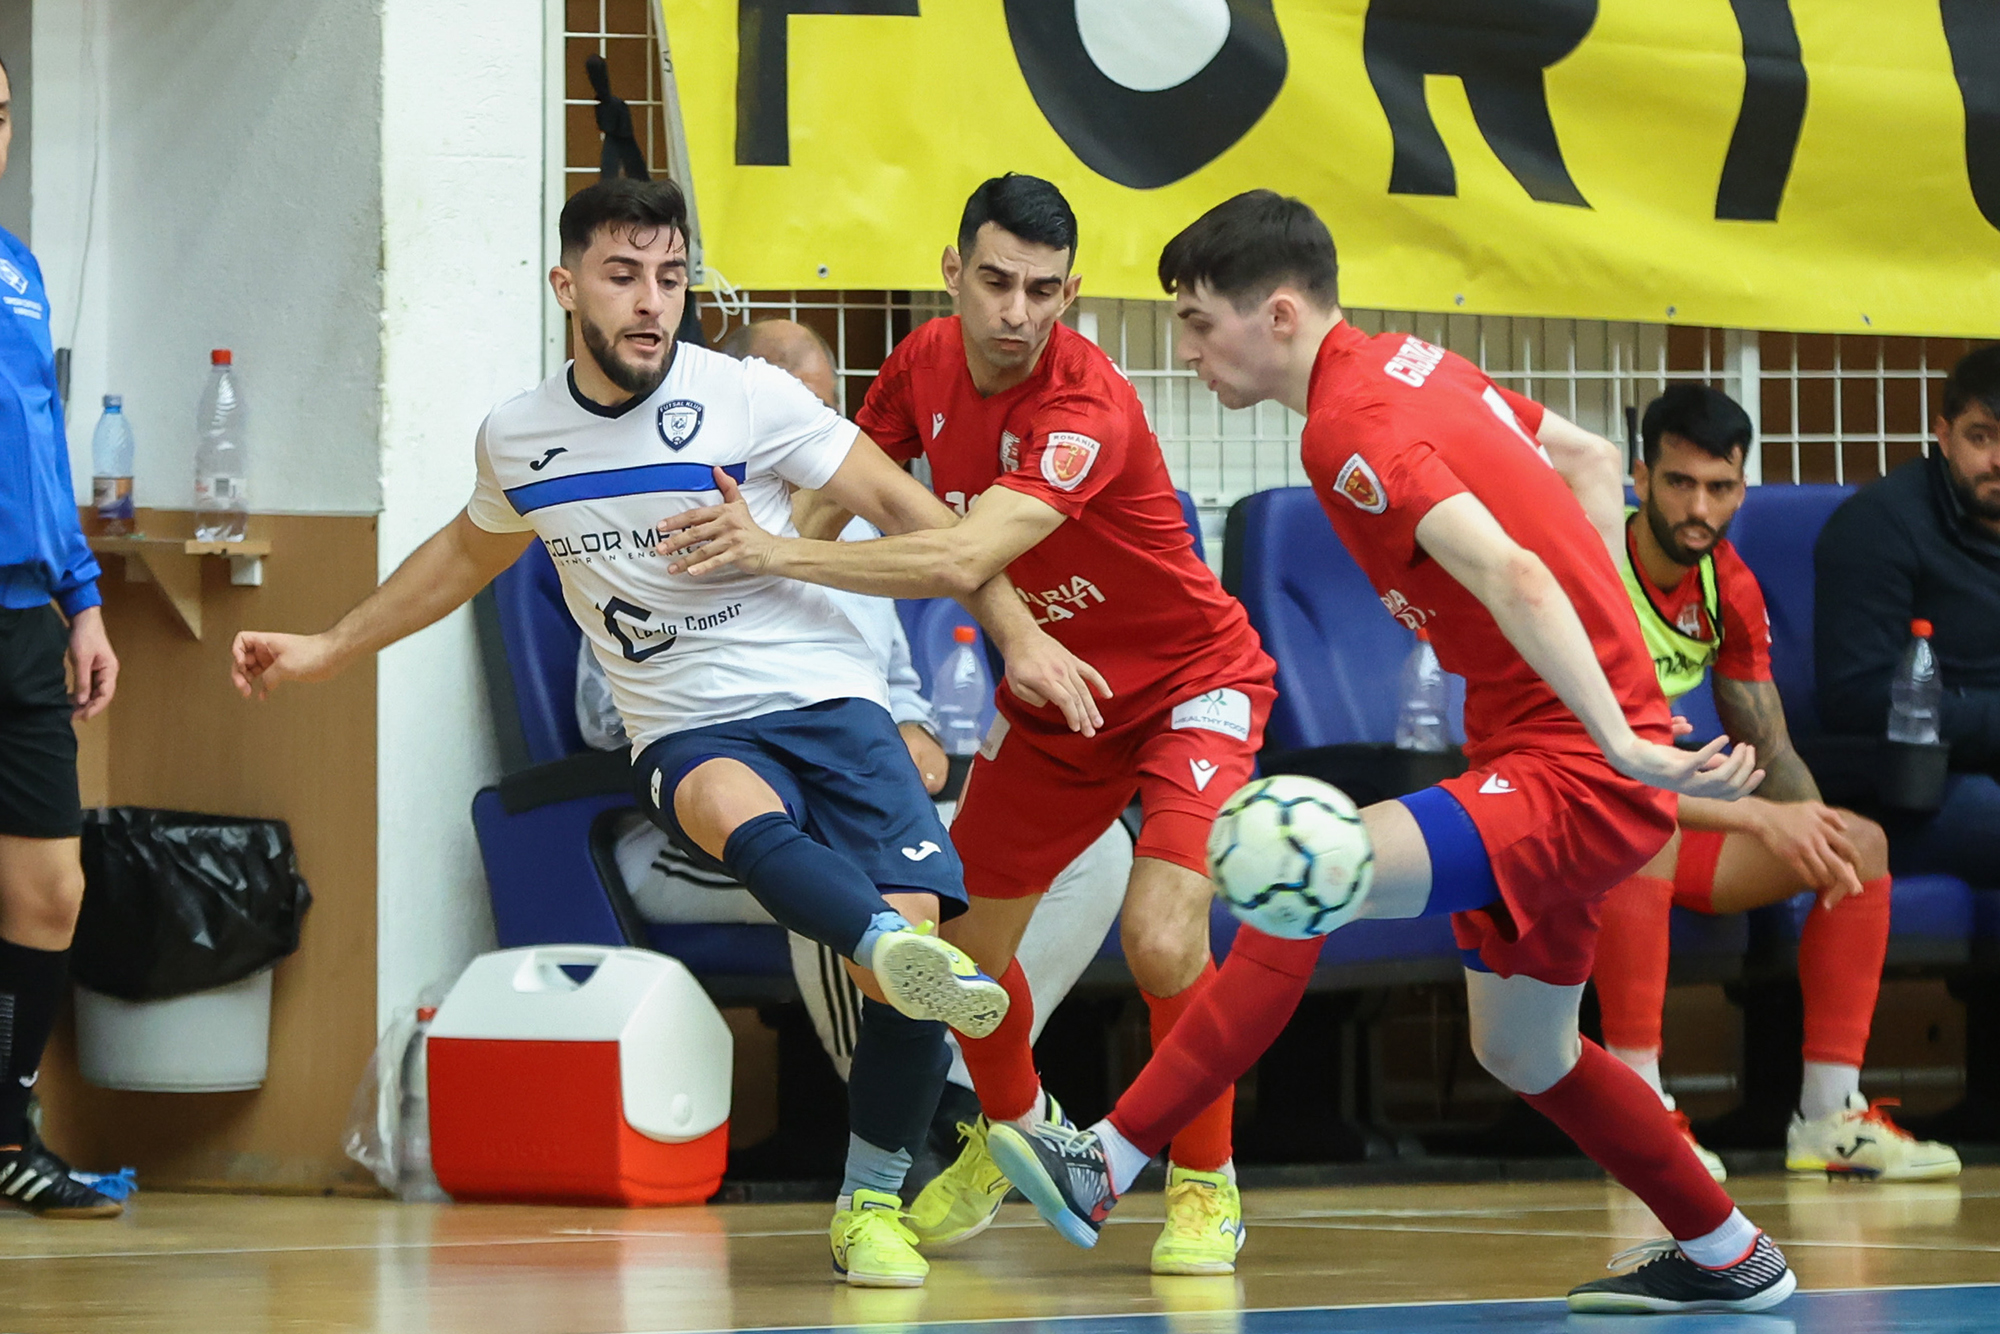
1751 711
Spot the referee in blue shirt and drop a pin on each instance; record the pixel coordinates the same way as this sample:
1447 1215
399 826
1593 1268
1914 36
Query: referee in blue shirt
55 665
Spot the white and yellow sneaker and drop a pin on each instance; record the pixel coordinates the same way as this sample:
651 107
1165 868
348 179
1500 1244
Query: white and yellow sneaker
929 978
1708 1160
1204 1228
1860 1140
871 1246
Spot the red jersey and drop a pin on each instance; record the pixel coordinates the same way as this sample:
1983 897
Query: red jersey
1395 425
1118 583
1744 650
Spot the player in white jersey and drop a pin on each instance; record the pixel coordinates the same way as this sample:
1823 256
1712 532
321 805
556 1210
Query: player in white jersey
761 741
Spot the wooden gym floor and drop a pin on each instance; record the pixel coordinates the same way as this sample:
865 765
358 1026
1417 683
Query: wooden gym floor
1378 1258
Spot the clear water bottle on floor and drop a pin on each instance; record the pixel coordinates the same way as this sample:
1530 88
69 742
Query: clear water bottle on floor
111 461
221 456
1423 724
959 694
1915 691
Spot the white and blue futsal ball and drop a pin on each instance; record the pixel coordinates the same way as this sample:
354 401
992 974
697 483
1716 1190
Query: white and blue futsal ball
1290 856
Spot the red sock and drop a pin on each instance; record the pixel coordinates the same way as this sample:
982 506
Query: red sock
1631 968
1840 972
1620 1122
1221 1035
1002 1064
1204 1143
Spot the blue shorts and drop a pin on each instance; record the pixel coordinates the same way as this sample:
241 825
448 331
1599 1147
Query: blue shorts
845 776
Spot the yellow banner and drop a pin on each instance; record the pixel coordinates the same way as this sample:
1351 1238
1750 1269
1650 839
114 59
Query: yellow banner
1782 164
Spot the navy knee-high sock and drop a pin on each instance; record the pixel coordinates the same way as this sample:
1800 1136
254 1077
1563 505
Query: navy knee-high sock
892 1093
809 888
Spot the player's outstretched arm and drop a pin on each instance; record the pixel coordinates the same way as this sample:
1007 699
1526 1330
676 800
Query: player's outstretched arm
1594 470
929 552
457 561
1535 615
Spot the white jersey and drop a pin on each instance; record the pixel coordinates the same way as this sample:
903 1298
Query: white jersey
594 483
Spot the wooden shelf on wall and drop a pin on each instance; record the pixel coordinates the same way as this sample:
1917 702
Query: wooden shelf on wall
173 565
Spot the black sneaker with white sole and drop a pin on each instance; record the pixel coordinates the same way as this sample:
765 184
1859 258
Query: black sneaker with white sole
1668 1281
1062 1171
38 1181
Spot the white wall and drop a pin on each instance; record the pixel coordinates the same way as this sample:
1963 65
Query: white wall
221 156
462 181
17 21
70 213
246 213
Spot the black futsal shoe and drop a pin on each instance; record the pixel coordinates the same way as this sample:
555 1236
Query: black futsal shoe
1063 1172
1668 1281
40 1182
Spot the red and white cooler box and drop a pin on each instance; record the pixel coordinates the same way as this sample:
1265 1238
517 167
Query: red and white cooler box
613 1090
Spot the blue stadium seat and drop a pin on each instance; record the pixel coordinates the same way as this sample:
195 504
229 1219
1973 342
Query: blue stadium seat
1338 651
1775 532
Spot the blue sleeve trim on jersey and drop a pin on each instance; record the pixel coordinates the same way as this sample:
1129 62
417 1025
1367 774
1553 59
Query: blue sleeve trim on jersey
617 482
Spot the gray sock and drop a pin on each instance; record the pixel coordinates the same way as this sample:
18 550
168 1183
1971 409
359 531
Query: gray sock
872 1168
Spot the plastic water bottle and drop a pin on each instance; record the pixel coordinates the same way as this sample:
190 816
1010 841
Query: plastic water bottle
111 460
1915 691
960 693
221 457
1422 724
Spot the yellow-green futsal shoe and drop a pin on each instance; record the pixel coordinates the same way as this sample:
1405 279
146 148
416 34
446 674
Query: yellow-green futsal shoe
872 1248
1204 1228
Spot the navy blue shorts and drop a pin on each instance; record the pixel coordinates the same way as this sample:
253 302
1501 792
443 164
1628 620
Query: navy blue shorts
846 778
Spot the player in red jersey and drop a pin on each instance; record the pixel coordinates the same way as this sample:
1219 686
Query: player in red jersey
1030 420
1460 501
1700 608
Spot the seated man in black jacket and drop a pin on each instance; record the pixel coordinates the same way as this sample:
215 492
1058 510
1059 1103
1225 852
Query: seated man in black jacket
1924 543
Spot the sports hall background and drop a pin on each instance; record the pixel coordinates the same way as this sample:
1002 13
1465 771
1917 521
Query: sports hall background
295 162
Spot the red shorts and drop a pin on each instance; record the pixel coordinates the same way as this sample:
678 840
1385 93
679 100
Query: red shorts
1560 831
1694 868
1039 794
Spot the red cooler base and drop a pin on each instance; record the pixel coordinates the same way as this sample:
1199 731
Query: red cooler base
541 1122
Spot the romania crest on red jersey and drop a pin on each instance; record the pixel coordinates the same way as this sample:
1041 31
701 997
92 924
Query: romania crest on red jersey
1067 458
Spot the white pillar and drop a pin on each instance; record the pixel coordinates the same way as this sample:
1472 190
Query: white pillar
1743 367
463 181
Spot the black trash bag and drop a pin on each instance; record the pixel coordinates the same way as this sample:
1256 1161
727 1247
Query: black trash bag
176 902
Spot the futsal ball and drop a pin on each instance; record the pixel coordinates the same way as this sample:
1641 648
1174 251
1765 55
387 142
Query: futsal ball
1290 856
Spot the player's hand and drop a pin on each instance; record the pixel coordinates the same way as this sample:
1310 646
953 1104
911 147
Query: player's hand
726 536
93 667
1692 773
1041 671
260 660
927 754
1812 840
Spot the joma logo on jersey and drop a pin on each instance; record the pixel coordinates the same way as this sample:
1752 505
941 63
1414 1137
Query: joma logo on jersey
1413 363
679 422
1358 482
13 277
1403 610
1010 451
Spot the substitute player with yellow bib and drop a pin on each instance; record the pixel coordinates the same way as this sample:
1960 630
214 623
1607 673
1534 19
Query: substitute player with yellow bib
1700 609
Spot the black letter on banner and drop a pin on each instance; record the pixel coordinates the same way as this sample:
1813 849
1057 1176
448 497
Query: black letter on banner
1498 49
1146 138
1774 110
1972 29
763 70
